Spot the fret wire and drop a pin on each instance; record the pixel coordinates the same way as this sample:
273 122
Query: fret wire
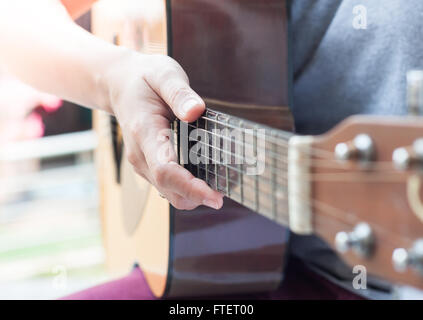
198 170
274 178
215 166
241 124
207 173
227 177
256 181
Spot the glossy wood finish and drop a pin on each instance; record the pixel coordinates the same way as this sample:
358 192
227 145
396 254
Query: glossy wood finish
237 60
346 194
236 56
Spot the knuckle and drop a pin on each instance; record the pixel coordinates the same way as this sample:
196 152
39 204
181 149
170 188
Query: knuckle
191 192
178 93
177 203
139 172
166 61
165 75
133 158
136 128
159 174
175 66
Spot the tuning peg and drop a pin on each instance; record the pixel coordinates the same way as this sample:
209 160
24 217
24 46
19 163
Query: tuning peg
361 148
404 157
360 240
403 259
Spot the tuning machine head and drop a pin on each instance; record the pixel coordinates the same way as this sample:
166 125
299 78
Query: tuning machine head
360 240
360 148
404 157
403 259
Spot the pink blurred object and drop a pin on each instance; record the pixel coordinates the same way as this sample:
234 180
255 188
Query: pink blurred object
51 104
17 100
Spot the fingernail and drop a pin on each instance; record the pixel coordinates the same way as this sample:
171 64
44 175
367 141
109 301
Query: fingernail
188 105
211 204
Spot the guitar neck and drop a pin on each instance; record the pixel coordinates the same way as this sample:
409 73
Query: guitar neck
246 161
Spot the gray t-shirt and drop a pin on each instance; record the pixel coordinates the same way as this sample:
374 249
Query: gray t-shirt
350 57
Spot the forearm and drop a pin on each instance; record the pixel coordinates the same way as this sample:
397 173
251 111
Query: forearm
42 46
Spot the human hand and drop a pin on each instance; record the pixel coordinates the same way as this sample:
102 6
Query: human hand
146 93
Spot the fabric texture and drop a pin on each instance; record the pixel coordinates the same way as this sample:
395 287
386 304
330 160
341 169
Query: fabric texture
299 283
350 57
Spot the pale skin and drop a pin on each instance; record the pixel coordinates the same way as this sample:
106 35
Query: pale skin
42 46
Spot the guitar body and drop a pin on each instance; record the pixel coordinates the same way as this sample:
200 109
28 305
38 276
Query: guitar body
236 56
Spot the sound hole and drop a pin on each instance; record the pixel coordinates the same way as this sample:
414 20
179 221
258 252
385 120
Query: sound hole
117 143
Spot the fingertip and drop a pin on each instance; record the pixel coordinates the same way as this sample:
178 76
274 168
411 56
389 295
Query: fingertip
214 201
219 204
188 204
192 109
211 204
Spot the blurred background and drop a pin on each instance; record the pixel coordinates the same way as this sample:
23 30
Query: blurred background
60 204
50 231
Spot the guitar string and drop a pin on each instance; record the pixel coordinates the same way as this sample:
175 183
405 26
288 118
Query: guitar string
384 165
280 184
282 143
349 219
338 176
331 163
334 164
320 204
338 214
374 166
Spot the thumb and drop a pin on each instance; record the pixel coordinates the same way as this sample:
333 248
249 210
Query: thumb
185 103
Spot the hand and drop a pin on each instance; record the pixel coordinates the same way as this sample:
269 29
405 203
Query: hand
146 93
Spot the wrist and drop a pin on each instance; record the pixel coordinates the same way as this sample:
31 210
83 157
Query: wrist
112 76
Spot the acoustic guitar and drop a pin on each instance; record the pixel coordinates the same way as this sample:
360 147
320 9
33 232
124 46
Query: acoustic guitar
358 187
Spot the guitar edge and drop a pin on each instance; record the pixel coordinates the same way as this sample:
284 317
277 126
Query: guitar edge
233 250
204 252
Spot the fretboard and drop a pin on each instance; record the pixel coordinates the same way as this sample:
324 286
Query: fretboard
246 161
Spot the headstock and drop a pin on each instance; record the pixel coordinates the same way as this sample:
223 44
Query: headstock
367 194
